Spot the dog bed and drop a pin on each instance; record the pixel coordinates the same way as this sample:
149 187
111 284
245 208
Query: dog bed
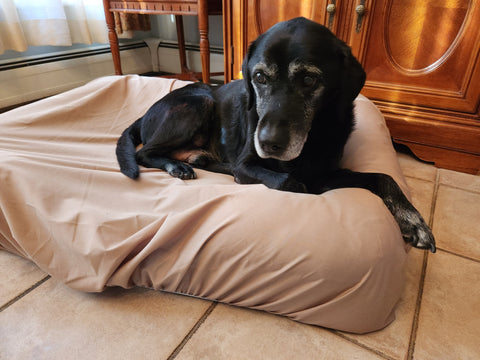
334 260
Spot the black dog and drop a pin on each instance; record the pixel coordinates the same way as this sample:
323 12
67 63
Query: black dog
285 125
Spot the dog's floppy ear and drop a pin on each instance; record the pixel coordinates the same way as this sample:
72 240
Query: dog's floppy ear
354 75
246 76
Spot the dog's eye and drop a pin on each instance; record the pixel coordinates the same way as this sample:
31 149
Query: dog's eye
309 81
260 77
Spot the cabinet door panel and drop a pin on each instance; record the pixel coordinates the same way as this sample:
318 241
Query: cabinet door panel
420 36
263 14
251 18
424 53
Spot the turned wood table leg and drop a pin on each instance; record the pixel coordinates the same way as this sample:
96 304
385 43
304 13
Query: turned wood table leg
204 43
181 44
113 38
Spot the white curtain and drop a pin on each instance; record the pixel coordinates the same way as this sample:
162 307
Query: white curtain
50 22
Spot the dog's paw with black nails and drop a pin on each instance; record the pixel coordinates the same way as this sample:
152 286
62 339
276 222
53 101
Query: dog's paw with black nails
180 170
415 230
292 185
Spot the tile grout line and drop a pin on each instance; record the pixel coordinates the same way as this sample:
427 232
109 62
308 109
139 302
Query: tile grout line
461 188
192 331
24 293
360 344
460 255
434 199
416 315
443 184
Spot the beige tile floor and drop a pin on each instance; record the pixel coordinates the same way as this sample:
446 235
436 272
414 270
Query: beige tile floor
437 318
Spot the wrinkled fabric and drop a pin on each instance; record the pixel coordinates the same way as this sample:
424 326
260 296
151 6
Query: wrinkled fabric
334 260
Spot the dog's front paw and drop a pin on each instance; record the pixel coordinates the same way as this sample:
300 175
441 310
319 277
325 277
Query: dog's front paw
290 184
271 179
180 170
415 231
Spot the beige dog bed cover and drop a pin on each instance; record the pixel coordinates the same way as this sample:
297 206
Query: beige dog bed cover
334 260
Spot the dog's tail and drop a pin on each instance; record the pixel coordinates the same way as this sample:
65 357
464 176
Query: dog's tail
126 149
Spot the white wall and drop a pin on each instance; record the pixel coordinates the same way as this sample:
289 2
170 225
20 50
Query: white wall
33 82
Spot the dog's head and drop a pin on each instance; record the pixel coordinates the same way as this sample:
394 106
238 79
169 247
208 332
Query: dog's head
291 73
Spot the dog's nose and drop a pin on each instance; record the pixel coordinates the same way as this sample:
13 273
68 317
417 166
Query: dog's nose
272 140
271 148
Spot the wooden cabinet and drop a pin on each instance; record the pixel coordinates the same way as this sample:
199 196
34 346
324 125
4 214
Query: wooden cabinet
422 60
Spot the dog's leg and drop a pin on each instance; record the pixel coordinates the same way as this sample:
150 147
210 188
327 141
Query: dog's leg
146 157
177 130
218 167
126 148
412 225
256 174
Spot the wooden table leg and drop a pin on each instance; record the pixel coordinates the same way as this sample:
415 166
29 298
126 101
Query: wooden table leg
204 42
181 44
113 38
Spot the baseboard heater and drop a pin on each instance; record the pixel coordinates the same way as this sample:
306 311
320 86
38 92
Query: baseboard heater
97 50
